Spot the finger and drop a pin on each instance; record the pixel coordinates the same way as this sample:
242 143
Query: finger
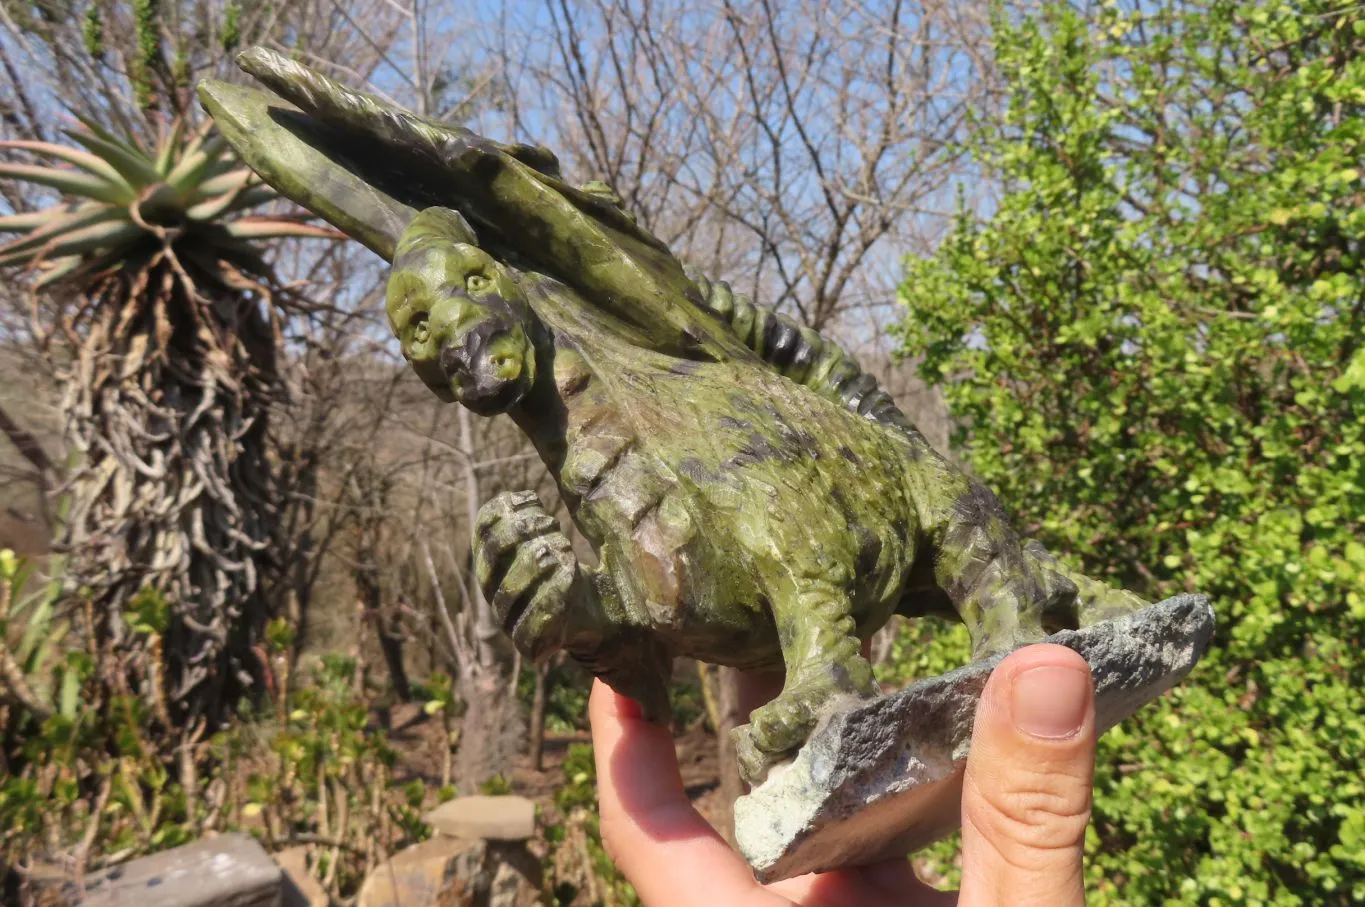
510 517
1026 795
501 507
896 882
538 626
754 689
650 830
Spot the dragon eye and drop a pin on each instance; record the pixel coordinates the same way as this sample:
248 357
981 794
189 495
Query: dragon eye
477 282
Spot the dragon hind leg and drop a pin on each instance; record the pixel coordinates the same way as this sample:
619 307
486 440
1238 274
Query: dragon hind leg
825 670
1094 601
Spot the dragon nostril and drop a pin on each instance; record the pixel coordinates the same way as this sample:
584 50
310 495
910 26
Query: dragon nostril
453 360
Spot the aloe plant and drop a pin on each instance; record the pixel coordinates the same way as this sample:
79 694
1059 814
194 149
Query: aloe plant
124 205
152 267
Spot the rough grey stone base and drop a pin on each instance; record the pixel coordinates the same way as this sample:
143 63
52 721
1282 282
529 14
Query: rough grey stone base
885 778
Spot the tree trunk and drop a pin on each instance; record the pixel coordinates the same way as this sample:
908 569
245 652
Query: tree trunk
721 691
391 644
386 632
484 630
358 648
491 730
538 716
490 733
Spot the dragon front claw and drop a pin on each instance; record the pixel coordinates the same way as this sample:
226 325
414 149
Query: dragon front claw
526 568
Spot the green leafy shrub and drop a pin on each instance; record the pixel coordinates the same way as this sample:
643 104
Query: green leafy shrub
566 700
325 777
1154 342
497 786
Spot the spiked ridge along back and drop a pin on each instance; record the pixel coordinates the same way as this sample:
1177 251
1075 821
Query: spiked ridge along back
802 354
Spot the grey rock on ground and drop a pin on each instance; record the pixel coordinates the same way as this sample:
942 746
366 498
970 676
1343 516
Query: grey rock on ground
455 872
506 818
885 778
226 869
445 871
299 889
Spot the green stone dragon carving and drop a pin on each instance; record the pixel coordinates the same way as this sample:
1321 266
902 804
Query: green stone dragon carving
754 499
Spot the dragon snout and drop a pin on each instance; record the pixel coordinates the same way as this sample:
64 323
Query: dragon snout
487 366
455 360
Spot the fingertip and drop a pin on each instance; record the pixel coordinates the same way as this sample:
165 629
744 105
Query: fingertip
636 761
648 826
1035 656
604 703
1046 690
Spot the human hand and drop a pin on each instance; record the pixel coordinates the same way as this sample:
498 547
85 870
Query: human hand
1025 806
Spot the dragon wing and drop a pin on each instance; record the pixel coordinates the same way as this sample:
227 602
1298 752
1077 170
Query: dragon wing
368 167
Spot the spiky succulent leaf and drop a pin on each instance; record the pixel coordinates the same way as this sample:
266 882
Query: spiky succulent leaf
134 165
214 207
88 162
189 171
231 181
165 157
60 223
25 221
68 182
59 269
183 193
252 197
275 228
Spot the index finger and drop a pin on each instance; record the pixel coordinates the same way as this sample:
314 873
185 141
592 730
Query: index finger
672 856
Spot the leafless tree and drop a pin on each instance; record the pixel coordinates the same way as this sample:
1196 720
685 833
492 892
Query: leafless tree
797 148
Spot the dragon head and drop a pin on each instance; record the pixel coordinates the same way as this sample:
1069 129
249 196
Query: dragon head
460 315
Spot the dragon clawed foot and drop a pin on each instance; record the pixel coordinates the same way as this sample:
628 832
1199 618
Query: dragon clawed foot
527 570
777 730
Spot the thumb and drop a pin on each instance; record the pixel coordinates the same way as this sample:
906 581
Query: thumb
1026 794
